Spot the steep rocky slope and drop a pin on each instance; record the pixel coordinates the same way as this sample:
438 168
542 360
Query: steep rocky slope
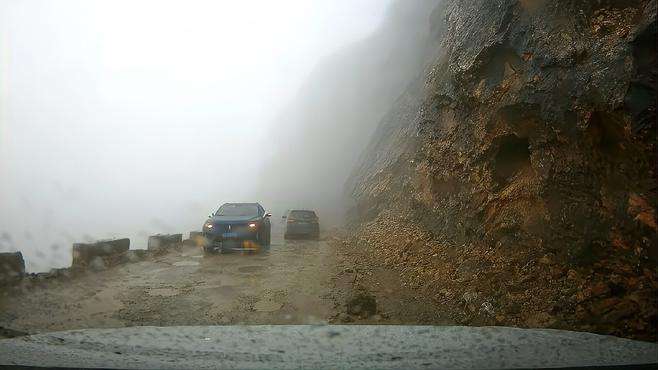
515 180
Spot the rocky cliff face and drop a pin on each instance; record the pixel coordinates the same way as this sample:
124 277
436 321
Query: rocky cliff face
516 179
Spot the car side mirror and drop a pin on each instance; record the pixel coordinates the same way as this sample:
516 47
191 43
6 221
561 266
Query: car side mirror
268 215
284 216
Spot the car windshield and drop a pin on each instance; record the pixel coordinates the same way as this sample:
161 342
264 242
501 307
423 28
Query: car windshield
237 210
302 215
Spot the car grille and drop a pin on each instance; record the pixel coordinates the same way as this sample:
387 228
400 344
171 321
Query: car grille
224 228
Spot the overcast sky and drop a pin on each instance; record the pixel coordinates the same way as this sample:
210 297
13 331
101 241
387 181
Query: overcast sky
127 118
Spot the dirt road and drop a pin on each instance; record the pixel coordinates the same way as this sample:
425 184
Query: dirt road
294 282
289 283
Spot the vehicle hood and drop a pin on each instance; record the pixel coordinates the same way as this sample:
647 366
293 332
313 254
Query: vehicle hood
230 219
324 346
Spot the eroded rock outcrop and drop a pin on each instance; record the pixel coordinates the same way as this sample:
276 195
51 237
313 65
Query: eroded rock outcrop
516 179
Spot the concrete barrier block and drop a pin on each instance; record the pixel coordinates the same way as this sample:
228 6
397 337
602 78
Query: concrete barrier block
99 255
12 266
162 241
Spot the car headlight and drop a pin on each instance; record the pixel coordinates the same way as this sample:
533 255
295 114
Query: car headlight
208 225
252 225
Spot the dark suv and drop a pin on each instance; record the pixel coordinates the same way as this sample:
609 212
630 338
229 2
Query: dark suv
237 227
301 223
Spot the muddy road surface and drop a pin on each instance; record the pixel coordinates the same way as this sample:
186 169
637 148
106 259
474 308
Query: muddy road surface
293 282
288 284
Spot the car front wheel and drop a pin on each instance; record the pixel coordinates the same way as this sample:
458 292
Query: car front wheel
264 237
267 236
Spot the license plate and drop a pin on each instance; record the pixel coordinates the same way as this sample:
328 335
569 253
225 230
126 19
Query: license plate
230 235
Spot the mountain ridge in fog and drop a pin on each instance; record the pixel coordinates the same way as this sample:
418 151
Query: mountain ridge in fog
318 138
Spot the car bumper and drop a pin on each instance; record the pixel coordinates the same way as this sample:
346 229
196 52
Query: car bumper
242 242
233 246
302 229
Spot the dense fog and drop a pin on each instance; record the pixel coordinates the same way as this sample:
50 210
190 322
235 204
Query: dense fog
325 129
129 118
